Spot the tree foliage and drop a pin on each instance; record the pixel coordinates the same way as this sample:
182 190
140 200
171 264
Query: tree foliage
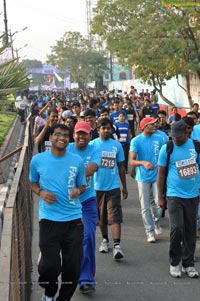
36 79
80 55
160 41
32 64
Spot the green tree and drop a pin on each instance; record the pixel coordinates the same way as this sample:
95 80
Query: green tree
36 79
82 57
161 42
32 64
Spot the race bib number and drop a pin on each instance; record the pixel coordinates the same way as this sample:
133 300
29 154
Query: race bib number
187 168
130 117
123 138
108 160
47 145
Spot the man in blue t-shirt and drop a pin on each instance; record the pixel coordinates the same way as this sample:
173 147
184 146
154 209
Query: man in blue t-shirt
58 178
114 115
82 136
171 118
125 136
155 106
144 150
182 196
107 186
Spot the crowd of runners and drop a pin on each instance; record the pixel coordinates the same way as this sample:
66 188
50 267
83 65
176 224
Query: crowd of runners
87 145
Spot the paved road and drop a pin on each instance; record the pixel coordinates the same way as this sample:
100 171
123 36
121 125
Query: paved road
143 275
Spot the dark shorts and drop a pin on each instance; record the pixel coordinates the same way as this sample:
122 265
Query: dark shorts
109 207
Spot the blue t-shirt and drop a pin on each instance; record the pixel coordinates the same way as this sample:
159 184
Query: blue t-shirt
89 155
171 118
114 115
163 135
181 180
124 129
138 108
155 107
40 103
58 175
147 149
110 152
195 135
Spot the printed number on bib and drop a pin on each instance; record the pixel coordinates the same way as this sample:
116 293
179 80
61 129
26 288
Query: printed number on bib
47 145
187 168
107 162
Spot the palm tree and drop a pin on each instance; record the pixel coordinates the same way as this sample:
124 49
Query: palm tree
13 75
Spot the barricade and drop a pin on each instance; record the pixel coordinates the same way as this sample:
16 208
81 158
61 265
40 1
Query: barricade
15 252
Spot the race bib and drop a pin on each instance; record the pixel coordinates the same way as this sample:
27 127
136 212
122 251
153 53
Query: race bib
130 116
123 138
187 168
108 160
47 145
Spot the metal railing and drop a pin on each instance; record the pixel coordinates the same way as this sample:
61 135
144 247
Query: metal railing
15 253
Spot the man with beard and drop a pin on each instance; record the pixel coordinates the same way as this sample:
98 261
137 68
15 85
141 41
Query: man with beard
182 195
107 186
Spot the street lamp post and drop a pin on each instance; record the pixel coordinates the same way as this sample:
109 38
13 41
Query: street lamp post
11 39
5 41
17 51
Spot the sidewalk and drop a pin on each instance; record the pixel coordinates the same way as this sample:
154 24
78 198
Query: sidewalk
143 275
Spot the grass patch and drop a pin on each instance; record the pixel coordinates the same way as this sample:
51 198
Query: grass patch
6 121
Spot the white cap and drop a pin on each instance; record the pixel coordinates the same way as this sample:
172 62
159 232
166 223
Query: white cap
67 114
82 114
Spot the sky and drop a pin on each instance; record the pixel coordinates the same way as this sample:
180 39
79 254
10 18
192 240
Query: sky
46 22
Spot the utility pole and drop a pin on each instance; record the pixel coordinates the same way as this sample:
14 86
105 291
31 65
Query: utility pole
12 48
17 51
6 39
11 39
111 67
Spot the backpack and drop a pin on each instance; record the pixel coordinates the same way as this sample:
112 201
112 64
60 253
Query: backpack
169 149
